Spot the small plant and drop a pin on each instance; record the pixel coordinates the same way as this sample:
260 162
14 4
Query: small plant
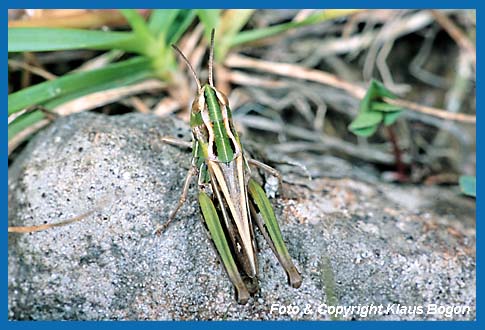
374 110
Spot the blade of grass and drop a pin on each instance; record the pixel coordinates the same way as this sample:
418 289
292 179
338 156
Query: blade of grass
210 18
23 122
232 21
257 34
125 77
71 83
188 18
48 39
140 28
161 20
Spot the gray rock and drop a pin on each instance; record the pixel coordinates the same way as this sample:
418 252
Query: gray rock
357 243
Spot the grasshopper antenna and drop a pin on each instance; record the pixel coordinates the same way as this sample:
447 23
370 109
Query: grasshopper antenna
189 65
211 59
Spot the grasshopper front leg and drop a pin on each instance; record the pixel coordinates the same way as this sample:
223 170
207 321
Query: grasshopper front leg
190 174
265 219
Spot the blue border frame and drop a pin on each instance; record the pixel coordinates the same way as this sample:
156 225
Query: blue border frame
237 4
283 4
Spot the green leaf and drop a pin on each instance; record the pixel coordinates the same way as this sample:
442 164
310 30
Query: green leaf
385 107
161 20
365 132
366 119
468 185
391 117
380 91
373 110
48 39
75 82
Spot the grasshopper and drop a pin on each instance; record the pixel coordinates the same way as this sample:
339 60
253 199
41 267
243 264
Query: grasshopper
230 200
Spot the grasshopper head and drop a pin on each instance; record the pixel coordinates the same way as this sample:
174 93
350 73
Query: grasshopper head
209 96
211 118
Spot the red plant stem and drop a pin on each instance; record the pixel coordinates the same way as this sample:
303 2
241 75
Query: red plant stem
400 167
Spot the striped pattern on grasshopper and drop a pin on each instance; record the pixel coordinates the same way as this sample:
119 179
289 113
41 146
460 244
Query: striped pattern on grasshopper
231 202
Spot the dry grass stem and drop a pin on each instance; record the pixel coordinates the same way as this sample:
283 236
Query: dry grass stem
296 71
14 64
457 34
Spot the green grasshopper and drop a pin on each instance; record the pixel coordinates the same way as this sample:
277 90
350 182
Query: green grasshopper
230 200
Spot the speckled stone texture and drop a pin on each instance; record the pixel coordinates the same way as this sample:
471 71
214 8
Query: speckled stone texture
358 242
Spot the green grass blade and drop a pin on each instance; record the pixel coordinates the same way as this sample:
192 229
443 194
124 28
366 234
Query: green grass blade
234 20
75 82
144 37
49 39
257 34
125 78
231 23
161 21
23 122
180 28
210 18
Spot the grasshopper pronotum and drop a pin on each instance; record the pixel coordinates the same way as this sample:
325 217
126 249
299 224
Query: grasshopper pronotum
230 200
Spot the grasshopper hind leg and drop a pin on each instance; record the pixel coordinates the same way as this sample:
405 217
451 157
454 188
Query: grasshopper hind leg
219 240
264 217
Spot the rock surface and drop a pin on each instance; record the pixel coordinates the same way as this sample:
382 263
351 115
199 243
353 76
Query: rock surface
357 242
